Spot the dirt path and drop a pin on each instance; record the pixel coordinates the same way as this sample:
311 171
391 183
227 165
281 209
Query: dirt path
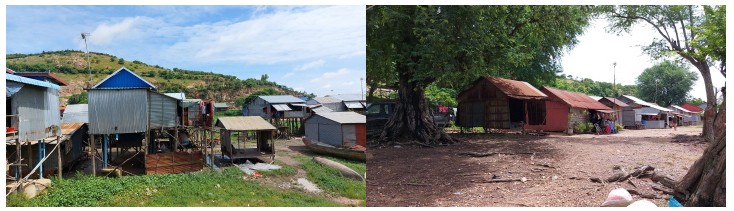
411 176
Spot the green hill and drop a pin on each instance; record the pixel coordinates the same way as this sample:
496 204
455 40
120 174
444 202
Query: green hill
71 66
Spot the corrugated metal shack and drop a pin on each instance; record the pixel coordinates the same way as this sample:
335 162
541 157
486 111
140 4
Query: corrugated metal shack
244 129
683 116
500 103
641 114
564 109
286 112
337 128
125 110
33 116
697 114
617 106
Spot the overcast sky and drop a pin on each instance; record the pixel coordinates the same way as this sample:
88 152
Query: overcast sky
596 51
316 49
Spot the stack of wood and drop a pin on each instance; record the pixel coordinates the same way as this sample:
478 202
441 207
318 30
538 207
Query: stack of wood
173 162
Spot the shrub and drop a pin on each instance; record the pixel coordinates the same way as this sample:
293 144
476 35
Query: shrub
579 128
620 127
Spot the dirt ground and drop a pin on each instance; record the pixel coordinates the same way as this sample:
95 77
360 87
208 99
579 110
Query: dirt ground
414 176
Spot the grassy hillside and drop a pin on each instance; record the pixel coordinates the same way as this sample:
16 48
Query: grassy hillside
71 66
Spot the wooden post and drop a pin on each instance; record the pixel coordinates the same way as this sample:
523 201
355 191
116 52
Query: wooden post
18 168
211 134
93 150
58 152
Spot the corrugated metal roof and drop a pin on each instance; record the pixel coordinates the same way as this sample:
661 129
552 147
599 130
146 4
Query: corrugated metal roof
220 105
281 107
49 77
281 99
597 98
177 95
516 89
575 99
8 70
244 123
321 109
347 97
326 100
353 105
691 107
615 101
680 108
344 117
123 78
644 103
24 80
70 128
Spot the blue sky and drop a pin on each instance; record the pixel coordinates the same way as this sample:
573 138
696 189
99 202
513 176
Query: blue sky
317 49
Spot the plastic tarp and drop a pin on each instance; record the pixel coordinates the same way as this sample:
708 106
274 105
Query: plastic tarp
250 168
11 88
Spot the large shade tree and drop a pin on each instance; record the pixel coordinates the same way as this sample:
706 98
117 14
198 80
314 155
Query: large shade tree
696 36
667 83
415 46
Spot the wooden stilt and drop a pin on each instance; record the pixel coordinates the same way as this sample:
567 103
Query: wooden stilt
58 152
93 150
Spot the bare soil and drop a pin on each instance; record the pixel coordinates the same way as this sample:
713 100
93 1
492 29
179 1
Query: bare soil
557 174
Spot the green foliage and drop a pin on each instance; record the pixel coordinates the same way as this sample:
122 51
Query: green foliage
264 77
593 88
666 83
453 45
619 127
579 128
332 181
239 101
696 101
207 188
441 96
81 98
120 61
711 39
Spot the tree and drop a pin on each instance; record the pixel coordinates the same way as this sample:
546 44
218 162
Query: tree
667 83
699 39
695 101
454 45
264 77
81 98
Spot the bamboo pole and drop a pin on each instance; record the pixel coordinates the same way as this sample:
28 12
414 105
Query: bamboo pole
58 142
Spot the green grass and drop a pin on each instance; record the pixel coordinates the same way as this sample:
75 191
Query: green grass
332 181
207 188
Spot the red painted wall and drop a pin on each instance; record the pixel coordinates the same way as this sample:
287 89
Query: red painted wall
556 117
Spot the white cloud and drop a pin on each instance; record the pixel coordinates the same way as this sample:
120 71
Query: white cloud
310 65
283 36
106 33
331 75
326 86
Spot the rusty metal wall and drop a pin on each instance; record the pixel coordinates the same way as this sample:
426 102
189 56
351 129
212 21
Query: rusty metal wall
114 111
30 106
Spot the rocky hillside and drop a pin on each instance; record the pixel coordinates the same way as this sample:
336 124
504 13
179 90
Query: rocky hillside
71 66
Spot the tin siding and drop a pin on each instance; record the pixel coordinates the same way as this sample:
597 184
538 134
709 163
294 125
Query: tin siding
162 111
330 132
29 105
256 108
349 135
125 109
52 113
312 128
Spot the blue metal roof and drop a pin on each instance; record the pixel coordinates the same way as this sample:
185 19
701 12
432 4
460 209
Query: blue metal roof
24 80
123 78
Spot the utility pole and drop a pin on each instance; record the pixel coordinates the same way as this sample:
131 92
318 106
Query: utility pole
614 64
656 90
361 88
89 65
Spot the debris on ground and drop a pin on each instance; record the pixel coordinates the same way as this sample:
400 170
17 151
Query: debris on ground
618 198
250 169
308 185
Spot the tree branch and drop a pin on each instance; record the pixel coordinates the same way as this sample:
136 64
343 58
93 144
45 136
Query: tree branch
677 48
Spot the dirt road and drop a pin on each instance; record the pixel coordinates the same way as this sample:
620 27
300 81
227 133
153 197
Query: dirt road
412 176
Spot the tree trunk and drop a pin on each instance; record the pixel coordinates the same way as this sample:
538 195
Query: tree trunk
412 120
705 182
710 111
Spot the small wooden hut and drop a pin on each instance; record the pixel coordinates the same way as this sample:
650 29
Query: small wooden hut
500 103
238 132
